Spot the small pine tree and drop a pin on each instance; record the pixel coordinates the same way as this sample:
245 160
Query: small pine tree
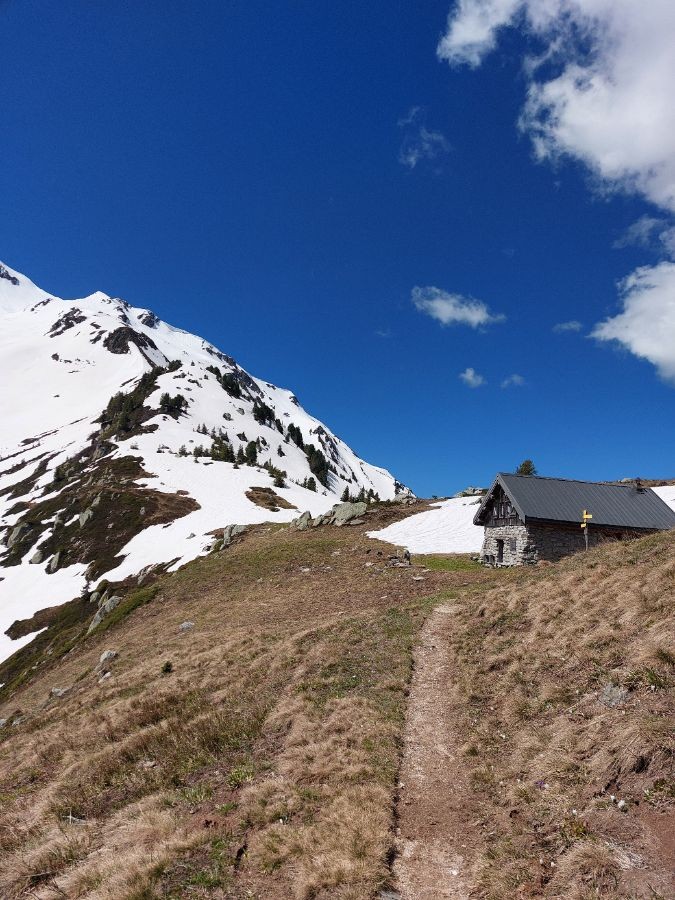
345 496
527 467
241 459
251 453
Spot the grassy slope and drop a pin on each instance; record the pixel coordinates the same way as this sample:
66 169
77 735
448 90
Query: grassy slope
262 760
262 764
566 683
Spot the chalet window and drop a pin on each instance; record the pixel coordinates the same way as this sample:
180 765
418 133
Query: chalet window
512 545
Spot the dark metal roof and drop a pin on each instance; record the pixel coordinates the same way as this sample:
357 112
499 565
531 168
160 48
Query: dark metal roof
560 500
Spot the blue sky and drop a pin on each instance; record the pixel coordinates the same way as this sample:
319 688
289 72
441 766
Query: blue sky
280 177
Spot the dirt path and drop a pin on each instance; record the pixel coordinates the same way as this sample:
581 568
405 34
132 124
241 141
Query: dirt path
436 835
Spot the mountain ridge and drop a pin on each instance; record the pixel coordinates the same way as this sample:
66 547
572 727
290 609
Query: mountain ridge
105 395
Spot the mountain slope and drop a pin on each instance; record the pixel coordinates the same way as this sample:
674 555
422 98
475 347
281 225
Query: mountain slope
96 485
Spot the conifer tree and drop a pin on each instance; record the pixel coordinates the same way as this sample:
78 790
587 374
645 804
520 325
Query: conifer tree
527 467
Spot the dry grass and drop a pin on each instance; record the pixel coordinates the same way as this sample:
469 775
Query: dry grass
256 755
260 763
566 681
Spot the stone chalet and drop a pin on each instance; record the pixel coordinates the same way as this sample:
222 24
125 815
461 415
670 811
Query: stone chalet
527 518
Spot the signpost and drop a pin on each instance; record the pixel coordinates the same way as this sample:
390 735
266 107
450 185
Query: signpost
585 515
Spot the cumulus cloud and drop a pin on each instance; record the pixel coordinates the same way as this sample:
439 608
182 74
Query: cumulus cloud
453 309
513 381
646 325
471 378
419 142
572 325
599 89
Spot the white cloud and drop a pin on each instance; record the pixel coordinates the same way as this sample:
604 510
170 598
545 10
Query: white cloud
472 29
601 88
471 378
599 79
513 381
453 309
419 142
646 326
641 233
572 325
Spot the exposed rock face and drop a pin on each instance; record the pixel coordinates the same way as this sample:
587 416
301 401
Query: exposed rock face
231 532
73 317
54 561
118 341
149 319
11 278
106 606
37 557
17 533
86 516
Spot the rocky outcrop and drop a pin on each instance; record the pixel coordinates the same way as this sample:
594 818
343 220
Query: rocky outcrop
54 561
231 532
118 341
11 278
73 317
105 606
304 521
85 516
340 514
17 533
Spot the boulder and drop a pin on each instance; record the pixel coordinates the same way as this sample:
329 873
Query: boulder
231 532
58 692
342 513
186 626
86 516
54 561
107 656
17 533
303 521
37 557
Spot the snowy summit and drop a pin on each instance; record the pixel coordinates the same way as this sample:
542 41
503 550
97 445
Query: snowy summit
127 443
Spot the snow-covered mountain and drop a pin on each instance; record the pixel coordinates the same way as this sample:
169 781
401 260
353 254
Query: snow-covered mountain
126 443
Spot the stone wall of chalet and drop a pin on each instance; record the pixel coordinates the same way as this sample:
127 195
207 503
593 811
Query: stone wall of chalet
527 544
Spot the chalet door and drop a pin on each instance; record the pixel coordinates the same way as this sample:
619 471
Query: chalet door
500 551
